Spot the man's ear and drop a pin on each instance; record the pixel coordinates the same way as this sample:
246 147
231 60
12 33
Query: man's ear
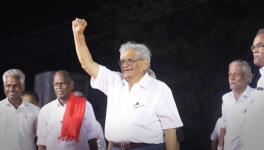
147 63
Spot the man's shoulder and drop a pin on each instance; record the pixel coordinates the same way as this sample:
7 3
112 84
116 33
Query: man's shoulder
2 102
251 88
49 104
158 83
227 95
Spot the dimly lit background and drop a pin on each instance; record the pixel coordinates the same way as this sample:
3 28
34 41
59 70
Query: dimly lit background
192 43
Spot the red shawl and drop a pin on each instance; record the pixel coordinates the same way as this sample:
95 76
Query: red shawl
73 118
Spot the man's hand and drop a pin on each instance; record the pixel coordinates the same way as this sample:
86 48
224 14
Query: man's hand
78 25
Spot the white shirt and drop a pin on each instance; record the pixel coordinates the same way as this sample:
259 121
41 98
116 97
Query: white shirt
18 126
101 139
139 114
253 133
216 132
233 117
49 127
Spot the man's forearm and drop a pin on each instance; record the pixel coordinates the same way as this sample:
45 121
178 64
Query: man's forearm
41 147
221 138
170 139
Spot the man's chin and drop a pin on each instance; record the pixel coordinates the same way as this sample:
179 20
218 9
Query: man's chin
14 98
62 97
258 63
232 87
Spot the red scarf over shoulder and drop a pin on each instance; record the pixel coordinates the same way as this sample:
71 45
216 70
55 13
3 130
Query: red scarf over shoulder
73 118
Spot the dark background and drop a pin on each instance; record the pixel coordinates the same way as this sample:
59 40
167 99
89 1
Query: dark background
192 43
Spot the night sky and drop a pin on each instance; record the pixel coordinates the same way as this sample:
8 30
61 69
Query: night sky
192 43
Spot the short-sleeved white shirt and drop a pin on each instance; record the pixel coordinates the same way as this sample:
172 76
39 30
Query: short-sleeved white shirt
253 132
139 114
233 117
216 132
49 127
18 126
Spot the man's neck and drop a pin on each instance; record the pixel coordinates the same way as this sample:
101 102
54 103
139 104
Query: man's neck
63 101
238 93
15 102
131 82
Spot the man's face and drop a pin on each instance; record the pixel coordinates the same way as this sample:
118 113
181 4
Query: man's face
237 80
258 50
62 86
13 88
132 66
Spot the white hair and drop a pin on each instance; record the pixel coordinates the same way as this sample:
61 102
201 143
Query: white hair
246 69
14 72
144 52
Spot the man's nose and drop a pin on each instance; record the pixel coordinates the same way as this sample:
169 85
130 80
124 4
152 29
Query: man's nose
232 77
12 88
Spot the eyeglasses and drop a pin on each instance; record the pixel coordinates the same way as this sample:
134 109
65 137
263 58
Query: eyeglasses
258 45
129 62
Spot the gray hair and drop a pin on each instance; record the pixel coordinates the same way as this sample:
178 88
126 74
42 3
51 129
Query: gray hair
246 69
260 31
144 52
15 73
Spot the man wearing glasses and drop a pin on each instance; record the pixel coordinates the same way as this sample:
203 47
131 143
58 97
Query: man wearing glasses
141 111
253 134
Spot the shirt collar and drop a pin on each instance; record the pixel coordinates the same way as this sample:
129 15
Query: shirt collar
6 101
245 95
23 104
59 104
261 70
143 82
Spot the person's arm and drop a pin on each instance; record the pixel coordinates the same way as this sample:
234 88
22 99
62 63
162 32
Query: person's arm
221 138
170 139
93 144
109 147
41 147
83 53
214 144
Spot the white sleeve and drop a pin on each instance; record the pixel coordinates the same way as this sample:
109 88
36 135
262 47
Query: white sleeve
105 79
214 135
167 111
216 132
91 122
223 118
42 127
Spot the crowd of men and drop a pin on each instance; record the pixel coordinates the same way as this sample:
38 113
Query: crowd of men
241 123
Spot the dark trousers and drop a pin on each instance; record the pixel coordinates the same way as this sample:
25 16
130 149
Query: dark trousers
147 147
